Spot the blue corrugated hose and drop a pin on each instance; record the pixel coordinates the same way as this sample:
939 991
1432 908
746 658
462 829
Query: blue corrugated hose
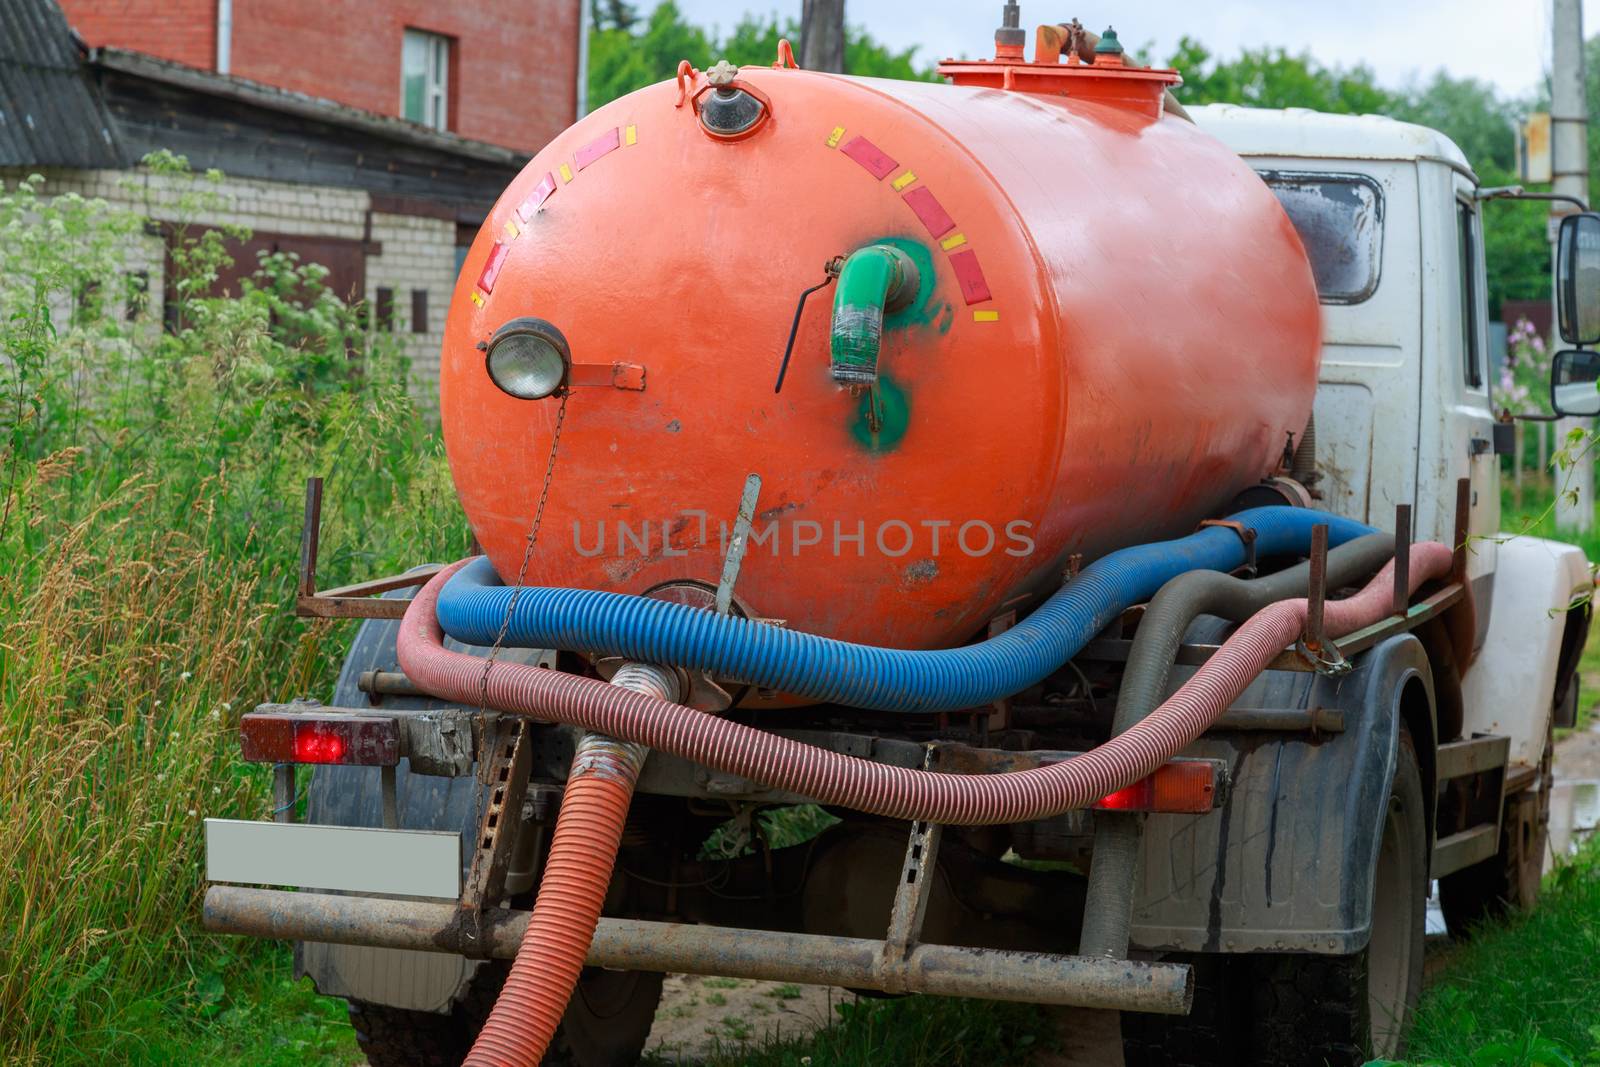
473 605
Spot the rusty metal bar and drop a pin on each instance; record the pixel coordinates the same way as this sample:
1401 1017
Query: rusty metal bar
283 792
347 601
1317 591
1287 720
1416 615
1402 559
1458 567
374 586
637 945
911 897
505 771
350 607
309 534
387 683
391 798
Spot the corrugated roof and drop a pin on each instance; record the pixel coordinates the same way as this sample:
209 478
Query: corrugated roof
49 113
300 105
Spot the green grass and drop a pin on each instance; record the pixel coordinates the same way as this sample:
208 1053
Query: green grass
245 1010
1526 993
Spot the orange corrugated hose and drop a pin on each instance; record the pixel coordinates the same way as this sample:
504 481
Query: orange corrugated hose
572 890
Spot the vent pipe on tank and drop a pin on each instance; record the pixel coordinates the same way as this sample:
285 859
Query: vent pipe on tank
1010 38
874 279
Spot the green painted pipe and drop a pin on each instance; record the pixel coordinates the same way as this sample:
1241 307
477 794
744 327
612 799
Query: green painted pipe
873 278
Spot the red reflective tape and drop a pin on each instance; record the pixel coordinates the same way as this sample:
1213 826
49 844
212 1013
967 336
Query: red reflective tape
870 156
930 211
536 199
609 141
492 265
970 277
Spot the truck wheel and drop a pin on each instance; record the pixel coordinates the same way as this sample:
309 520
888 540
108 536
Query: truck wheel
606 1023
1284 1010
1507 882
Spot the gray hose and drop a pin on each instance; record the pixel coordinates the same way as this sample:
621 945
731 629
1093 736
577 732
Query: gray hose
1108 907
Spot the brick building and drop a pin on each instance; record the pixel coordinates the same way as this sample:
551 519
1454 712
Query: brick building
501 71
387 204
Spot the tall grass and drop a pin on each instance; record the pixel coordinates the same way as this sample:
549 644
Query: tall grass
150 495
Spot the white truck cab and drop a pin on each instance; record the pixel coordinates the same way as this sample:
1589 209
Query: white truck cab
1389 216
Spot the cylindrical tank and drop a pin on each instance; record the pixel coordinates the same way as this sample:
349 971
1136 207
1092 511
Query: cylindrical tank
1114 331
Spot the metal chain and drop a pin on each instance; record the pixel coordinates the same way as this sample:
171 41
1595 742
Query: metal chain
527 552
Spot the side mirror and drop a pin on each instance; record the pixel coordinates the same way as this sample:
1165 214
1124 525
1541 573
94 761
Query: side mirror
1575 383
1578 279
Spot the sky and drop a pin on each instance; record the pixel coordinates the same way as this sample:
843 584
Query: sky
1504 42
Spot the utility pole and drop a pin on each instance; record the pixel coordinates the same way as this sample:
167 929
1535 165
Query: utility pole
822 35
1569 157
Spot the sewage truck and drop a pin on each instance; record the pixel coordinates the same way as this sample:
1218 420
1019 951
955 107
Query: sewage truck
1078 516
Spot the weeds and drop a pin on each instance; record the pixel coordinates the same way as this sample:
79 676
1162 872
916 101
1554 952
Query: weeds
151 483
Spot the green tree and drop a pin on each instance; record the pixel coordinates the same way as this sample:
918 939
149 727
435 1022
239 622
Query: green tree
612 14
623 58
1273 77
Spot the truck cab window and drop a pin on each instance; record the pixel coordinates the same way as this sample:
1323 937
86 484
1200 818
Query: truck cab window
1340 221
1467 228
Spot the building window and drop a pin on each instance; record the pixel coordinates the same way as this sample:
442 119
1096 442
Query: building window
425 79
384 309
419 311
137 295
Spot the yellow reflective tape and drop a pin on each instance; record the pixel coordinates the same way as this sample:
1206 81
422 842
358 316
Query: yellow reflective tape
566 173
630 135
955 240
904 180
476 299
986 316
512 231
835 137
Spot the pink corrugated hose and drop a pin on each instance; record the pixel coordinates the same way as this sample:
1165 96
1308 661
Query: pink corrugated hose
829 777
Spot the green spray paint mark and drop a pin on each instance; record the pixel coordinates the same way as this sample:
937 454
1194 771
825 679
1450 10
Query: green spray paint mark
893 411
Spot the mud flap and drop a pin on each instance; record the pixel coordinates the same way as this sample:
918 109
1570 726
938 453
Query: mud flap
352 796
1286 864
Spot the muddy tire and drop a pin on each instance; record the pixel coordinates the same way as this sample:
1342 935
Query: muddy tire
1507 882
1288 1010
606 1023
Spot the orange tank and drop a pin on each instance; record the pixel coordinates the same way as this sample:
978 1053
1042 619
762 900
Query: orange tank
1110 330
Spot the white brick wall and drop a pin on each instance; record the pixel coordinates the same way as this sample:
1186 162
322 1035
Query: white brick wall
417 252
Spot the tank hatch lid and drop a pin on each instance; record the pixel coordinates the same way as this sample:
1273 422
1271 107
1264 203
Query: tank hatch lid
1060 67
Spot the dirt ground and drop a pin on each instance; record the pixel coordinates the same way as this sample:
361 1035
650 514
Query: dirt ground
699 1015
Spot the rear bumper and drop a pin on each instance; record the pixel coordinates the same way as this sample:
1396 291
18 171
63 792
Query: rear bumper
637 945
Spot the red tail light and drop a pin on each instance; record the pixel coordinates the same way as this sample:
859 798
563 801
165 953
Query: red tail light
1190 787
320 737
